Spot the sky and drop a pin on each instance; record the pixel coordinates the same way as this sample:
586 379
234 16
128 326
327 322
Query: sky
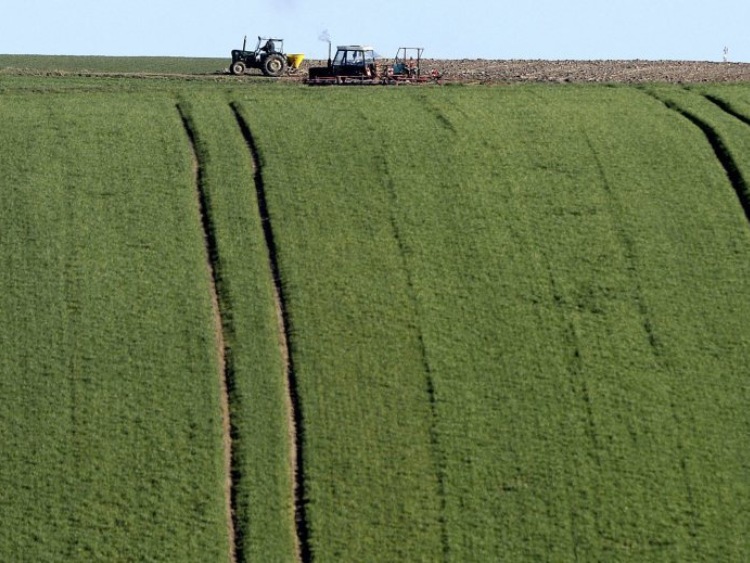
452 29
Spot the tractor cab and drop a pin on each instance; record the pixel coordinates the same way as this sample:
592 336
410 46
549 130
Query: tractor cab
351 61
354 60
269 45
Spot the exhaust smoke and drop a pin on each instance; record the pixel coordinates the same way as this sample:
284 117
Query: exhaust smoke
326 38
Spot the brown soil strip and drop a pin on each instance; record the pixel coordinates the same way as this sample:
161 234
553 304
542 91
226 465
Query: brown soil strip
219 335
293 405
478 71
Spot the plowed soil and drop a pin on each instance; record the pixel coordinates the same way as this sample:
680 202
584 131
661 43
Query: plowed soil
475 71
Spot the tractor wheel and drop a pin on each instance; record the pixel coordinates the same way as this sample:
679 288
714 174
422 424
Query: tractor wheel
274 65
238 68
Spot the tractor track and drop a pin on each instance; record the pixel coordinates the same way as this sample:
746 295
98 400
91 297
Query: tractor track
294 408
225 376
723 155
727 108
438 455
721 151
657 348
741 185
629 251
429 375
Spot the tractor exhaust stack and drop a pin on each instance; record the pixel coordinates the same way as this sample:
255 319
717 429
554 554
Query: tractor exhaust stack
324 36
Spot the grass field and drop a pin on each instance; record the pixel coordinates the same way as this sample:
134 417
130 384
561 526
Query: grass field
61 64
110 419
517 318
565 269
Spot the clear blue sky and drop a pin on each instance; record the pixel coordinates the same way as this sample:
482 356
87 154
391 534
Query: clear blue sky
491 29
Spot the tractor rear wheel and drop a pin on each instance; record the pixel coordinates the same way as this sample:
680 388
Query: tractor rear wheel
237 68
274 65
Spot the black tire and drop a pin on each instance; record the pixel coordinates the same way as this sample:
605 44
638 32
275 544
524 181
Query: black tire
274 65
237 68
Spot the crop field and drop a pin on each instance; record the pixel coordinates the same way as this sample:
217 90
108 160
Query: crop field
110 421
61 64
558 275
264 322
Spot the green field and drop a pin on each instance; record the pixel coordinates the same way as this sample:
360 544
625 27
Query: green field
517 320
62 64
110 422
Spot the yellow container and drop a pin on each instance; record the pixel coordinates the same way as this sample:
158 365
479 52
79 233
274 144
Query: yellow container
295 60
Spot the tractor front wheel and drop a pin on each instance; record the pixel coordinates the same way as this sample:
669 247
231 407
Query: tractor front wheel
237 68
274 65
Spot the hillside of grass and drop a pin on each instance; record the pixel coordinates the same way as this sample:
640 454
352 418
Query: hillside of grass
110 419
564 282
516 320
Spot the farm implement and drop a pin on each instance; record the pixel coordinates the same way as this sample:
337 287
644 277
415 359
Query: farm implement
407 68
356 65
268 57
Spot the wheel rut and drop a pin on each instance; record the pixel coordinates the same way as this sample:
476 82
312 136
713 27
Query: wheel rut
295 417
438 454
724 156
432 398
721 151
658 351
740 184
224 375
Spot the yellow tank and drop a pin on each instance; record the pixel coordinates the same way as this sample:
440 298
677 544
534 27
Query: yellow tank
294 60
